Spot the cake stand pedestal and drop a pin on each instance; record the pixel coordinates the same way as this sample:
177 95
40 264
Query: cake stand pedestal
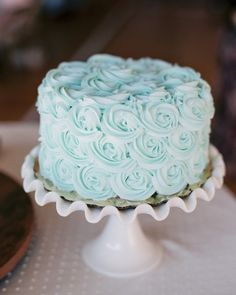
122 249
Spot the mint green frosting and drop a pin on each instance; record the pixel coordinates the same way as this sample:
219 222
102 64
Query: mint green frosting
123 127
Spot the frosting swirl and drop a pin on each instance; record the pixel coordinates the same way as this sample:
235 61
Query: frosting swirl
108 100
175 75
45 161
43 101
109 155
84 121
62 172
59 109
121 121
161 96
69 95
91 182
57 77
171 178
182 143
94 84
194 114
72 147
196 165
48 132
77 68
149 151
205 94
160 118
133 184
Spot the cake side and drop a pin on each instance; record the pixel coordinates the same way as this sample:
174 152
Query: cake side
111 127
155 200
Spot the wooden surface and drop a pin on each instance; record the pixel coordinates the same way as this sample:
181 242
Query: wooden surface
16 223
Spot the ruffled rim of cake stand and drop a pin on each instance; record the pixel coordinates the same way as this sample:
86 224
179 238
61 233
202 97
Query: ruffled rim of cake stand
93 215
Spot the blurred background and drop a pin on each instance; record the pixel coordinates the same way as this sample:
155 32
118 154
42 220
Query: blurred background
35 35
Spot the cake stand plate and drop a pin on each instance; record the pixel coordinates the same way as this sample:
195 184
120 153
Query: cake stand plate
122 249
16 223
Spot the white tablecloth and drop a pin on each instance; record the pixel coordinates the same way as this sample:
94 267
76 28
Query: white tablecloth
199 255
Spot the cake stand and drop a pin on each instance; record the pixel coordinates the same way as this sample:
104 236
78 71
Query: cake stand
122 249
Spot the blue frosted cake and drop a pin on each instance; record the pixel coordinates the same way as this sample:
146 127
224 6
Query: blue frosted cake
123 131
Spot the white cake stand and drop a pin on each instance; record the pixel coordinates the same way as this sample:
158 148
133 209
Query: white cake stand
122 249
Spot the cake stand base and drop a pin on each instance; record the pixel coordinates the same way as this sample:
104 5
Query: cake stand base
122 250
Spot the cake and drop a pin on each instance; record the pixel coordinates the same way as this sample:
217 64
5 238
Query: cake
123 132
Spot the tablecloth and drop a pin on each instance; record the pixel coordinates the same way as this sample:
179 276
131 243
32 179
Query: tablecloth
199 248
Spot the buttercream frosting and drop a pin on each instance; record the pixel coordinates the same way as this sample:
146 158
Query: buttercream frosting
113 127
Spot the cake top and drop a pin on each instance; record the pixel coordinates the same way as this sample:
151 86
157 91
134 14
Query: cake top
110 80
124 127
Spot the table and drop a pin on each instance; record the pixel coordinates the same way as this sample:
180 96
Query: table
199 247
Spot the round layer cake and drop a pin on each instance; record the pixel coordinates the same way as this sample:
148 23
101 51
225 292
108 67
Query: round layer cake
123 131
